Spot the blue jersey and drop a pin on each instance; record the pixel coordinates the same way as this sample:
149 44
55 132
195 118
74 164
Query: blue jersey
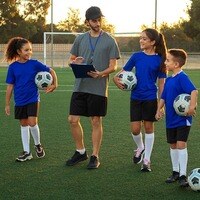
22 76
147 71
174 86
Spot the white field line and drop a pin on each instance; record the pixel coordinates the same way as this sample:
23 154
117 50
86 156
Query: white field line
111 88
57 90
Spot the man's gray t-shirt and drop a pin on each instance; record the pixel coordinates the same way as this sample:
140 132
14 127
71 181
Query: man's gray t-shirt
105 48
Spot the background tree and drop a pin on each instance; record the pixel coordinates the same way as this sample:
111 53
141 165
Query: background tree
25 18
176 37
73 23
192 26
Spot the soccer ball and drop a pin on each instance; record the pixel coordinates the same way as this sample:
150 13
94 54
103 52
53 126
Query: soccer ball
181 104
129 80
194 179
43 80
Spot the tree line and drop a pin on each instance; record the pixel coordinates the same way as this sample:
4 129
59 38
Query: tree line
27 18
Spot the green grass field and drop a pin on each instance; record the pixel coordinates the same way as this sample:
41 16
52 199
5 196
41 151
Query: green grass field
116 179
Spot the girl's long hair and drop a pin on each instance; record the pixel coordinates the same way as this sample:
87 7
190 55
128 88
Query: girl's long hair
13 45
160 45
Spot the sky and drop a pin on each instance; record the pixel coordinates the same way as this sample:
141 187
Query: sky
125 15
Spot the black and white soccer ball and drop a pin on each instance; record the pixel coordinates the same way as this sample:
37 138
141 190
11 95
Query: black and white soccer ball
43 80
128 79
181 104
194 179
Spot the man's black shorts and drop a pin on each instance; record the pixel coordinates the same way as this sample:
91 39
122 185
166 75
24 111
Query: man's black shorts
85 104
143 110
29 110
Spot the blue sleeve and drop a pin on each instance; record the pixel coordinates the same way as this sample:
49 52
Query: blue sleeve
42 67
130 63
10 79
186 84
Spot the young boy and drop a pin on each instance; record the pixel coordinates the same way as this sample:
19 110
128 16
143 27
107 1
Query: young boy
177 127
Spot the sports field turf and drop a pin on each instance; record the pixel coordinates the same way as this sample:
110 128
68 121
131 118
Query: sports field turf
116 179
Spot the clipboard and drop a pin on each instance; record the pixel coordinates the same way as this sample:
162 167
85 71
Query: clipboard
80 70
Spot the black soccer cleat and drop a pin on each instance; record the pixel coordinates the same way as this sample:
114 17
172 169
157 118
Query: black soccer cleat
183 181
146 167
173 178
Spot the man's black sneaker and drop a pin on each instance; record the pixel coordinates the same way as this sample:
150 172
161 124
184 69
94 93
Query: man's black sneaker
76 158
24 156
183 181
40 153
94 163
173 178
138 156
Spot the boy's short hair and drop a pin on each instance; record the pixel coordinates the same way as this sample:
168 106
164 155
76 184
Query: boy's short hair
179 55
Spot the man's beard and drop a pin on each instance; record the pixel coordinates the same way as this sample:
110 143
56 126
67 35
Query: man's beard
95 29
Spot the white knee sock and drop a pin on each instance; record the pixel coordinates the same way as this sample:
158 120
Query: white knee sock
35 132
25 136
183 160
174 159
138 140
149 141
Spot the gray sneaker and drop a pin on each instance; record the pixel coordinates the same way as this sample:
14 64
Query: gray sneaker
24 156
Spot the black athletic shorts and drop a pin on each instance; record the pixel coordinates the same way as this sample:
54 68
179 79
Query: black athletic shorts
177 134
143 110
85 104
29 110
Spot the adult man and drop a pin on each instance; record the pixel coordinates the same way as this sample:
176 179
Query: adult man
89 97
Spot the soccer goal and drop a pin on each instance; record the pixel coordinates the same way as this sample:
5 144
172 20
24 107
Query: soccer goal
57 46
